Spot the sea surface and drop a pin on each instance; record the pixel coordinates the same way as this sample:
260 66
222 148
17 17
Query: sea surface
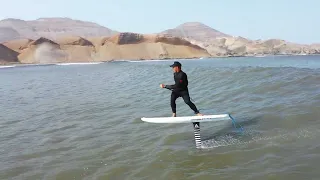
83 121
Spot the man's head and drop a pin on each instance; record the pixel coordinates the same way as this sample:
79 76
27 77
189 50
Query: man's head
176 66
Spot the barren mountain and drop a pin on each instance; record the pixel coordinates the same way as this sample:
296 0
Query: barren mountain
121 46
196 31
221 44
316 46
50 28
8 33
52 40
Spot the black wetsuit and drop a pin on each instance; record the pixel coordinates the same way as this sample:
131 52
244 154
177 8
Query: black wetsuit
180 89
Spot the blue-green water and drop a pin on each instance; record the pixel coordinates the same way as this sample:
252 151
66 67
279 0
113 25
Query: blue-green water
83 121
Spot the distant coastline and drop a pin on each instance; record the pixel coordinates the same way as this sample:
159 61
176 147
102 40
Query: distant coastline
131 46
64 40
18 64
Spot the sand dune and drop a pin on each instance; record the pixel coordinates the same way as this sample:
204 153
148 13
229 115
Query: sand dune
18 45
138 47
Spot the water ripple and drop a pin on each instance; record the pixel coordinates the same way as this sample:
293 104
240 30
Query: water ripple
83 122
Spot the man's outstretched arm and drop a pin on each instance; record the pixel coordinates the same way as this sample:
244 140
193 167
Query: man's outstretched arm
173 86
168 86
182 81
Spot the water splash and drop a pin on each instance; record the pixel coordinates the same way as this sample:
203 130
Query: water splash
68 64
254 137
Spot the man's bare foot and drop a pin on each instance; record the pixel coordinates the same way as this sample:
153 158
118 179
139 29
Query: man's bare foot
174 115
199 114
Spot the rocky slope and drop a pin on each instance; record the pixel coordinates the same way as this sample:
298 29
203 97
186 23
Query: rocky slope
121 46
7 55
138 46
18 45
50 28
239 46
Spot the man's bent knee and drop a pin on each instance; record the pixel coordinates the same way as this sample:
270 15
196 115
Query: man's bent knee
188 101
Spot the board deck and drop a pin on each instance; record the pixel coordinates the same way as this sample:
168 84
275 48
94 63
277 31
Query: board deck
188 119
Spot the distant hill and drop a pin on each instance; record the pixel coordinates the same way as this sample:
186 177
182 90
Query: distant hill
239 46
49 40
8 33
220 44
195 30
50 28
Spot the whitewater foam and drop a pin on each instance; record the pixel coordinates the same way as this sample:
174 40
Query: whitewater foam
68 64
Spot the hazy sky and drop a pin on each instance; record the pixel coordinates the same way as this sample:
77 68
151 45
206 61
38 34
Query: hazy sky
292 20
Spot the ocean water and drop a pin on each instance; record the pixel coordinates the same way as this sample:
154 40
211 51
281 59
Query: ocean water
83 121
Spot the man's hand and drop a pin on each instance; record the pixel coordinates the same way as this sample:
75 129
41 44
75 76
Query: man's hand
162 85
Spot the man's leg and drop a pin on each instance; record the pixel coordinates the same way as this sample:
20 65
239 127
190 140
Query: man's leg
174 97
186 98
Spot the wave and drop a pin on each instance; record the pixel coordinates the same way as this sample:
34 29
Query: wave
276 138
154 60
160 60
85 63
5 67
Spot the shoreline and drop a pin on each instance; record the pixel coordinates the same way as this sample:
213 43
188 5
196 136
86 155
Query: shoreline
11 65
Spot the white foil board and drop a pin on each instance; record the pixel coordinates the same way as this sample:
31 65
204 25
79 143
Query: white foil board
187 119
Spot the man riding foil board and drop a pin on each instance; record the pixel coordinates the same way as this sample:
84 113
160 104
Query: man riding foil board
180 89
